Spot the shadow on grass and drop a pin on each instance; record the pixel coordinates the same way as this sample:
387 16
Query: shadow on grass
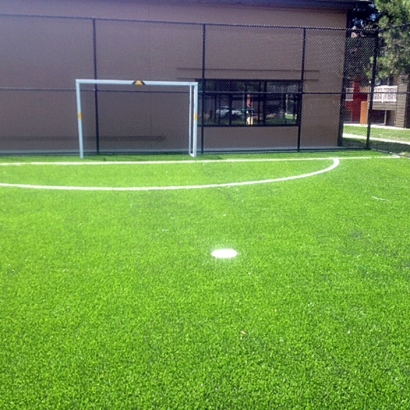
383 146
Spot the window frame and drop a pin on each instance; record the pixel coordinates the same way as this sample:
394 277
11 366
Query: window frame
260 105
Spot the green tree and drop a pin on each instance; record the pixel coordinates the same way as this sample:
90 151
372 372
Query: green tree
359 53
394 21
361 42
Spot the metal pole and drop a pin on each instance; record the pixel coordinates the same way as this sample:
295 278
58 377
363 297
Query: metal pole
79 118
203 86
190 121
97 119
372 85
301 90
195 130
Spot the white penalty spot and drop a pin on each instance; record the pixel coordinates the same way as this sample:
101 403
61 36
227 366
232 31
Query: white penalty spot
224 253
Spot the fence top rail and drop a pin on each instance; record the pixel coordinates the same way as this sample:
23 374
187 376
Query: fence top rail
201 24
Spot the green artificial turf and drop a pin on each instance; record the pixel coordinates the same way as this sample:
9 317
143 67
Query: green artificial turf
148 174
112 300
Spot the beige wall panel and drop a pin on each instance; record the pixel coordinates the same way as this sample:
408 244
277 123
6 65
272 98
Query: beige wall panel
325 50
42 121
144 121
250 138
45 53
127 50
320 119
150 10
253 53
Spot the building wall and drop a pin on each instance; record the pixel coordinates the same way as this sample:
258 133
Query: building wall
40 60
42 56
152 10
402 118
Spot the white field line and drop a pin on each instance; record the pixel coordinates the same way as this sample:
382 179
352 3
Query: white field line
181 162
335 164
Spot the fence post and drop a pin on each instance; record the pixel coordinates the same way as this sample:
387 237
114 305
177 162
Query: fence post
372 86
203 86
301 89
97 119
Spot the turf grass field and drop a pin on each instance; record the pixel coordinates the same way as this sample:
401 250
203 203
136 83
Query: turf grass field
112 299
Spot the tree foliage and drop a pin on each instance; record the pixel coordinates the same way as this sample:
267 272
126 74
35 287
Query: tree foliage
393 12
359 57
394 22
361 42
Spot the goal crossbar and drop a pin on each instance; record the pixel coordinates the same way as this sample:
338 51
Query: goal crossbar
193 105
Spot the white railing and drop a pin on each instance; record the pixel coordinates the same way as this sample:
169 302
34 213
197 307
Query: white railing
385 94
349 93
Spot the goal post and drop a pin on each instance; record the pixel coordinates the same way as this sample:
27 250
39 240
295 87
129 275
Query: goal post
193 105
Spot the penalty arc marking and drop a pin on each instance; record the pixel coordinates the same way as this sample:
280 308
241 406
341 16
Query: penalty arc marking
334 165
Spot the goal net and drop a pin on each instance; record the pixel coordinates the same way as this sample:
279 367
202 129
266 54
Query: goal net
192 89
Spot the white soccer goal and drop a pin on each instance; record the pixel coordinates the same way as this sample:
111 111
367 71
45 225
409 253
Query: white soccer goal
193 105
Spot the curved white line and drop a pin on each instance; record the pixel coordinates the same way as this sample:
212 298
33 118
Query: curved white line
335 164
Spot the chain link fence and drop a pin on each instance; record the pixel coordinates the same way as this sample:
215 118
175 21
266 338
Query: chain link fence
376 111
262 88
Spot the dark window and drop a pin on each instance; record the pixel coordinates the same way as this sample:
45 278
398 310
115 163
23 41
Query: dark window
250 103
